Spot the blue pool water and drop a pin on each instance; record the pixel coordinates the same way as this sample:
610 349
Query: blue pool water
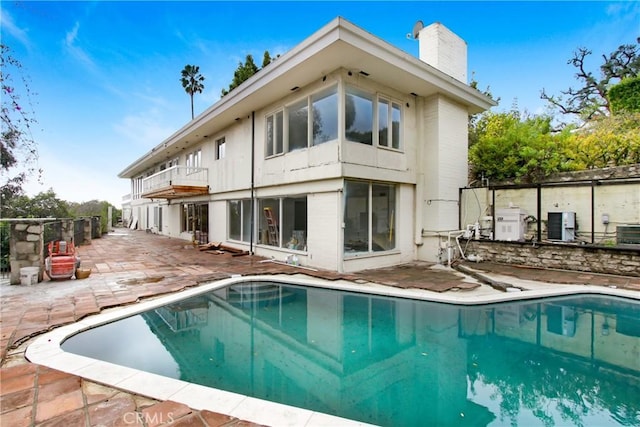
392 361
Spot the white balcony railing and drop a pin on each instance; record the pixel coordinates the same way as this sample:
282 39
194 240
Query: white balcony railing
176 176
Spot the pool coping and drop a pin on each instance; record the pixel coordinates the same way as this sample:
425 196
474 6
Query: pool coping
46 350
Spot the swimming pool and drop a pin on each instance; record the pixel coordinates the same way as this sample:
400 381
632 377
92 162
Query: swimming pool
387 360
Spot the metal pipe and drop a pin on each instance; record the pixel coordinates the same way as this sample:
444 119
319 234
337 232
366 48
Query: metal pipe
253 161
539 212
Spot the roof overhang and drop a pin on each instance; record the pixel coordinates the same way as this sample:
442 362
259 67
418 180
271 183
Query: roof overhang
339 44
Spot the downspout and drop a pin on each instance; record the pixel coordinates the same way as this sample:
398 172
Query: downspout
493 214
418 223
253 162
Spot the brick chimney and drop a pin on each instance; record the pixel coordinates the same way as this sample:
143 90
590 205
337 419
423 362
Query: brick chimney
444 50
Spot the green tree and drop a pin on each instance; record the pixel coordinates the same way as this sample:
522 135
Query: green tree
95 208
476 126
242 73
606 141
245 70
42 205
591 100
192 82
18 149
512 146
266 59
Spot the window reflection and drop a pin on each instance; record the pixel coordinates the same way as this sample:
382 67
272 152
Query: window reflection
298 119
359 116
325 116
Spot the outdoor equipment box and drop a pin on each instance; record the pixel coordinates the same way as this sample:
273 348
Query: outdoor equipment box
62 267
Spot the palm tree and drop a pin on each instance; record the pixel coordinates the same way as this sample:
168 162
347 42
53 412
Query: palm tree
192 82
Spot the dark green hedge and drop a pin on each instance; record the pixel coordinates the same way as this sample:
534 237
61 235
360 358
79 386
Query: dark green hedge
625 96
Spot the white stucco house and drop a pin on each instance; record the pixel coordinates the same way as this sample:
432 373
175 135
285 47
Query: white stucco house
346 152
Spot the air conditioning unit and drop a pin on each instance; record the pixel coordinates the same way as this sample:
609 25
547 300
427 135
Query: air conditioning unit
561 226
510 224
628 234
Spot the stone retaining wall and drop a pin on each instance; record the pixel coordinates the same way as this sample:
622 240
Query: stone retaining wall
623 261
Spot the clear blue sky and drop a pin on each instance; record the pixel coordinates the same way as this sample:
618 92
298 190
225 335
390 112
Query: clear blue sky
106 74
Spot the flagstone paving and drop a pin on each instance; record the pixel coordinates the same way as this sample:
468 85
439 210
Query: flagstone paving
128 266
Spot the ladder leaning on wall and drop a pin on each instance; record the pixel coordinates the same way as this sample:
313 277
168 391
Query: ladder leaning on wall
272 227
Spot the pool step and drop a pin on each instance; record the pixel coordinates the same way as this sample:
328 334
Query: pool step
247 295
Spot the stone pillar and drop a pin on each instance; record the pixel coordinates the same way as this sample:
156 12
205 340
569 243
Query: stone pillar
67 230
25 248
87 231
98 225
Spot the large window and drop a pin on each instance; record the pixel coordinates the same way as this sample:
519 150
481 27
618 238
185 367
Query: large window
269 222
389 113
240 220
359 116
369 217
294 223
195 219
283 222
309 121
275 138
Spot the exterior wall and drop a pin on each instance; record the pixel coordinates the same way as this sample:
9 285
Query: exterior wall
218 221
428 170
234 170
444 163
432 156
567 257
325 230
171 219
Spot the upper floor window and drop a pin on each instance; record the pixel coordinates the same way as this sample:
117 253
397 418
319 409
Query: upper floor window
298 125
358 116
360 119
275 140
168 164
309 121
389 119
220 148
324 107
194 160
137 187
